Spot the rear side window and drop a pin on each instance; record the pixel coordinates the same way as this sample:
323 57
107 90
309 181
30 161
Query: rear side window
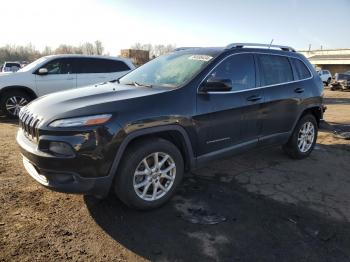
240 69
301 71
274 69
97 65
116 66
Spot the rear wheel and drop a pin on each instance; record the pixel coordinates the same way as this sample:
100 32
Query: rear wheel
149 173
12 102
303 139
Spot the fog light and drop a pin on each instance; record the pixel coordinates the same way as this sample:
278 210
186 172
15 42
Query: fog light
61 148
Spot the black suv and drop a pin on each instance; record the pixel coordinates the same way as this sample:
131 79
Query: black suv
138 135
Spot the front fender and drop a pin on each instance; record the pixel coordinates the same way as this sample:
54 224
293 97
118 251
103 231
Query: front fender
131 132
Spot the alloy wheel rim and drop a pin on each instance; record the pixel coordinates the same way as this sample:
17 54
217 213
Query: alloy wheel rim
154 176
306 137
14 104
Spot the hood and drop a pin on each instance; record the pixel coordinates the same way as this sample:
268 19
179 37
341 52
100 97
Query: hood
90 100
10 78
10 74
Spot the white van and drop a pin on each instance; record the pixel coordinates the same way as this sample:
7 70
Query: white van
56 73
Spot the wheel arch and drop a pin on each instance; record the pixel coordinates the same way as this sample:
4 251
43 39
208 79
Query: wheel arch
28 90
316 111
174 133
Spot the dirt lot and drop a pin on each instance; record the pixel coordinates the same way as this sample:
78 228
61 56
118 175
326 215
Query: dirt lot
269 208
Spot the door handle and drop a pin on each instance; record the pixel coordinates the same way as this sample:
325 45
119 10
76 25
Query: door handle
299 90
254 98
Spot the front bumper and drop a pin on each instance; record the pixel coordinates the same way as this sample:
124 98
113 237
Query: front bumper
68 182
43 167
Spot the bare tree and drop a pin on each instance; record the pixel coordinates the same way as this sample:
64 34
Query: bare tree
64 49
154 50
137 46
88 48
47 51
98 47
30 53
18 53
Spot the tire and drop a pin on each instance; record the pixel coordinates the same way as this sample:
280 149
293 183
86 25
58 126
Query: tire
328 81
12 101
292 147
126 180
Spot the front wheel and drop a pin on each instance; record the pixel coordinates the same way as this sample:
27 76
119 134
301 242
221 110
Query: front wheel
12 102
303 139
149 173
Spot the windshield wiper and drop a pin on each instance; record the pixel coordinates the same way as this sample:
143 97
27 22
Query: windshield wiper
140 84
135 83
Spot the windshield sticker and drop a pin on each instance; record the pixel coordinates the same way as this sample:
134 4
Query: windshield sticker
205 58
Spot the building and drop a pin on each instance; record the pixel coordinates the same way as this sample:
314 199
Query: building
138 57
334 60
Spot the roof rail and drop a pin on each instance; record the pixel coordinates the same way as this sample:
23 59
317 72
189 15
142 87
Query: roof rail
268 46
184 48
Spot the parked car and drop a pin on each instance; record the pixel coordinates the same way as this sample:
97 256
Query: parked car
326 76
56 73
138 135
341 81
11 67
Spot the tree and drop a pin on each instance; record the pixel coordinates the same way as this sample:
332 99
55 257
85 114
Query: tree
98 47
154 50
47 51
88 49
64 49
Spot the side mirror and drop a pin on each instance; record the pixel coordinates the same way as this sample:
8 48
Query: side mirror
216 85
43 71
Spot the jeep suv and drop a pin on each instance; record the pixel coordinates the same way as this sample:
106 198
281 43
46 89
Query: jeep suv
139 134
56 73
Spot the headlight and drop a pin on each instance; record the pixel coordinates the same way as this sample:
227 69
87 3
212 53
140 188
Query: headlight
81 121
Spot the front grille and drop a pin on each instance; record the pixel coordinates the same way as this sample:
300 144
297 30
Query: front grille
29 123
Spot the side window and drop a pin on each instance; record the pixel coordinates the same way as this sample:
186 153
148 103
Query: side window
90 65
240 69
98 65
301 71
274 69
116 66
59 66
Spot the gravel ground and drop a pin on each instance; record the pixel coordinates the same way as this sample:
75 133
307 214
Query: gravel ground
266 207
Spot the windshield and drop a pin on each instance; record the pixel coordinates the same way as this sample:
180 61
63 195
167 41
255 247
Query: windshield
171 70
32 65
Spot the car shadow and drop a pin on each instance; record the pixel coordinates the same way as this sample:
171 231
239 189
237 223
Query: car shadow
6 120
333 127
336 101
251 227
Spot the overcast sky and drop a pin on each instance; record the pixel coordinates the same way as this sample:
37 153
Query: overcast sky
119 24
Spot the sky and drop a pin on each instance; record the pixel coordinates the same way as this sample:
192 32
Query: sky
121 23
